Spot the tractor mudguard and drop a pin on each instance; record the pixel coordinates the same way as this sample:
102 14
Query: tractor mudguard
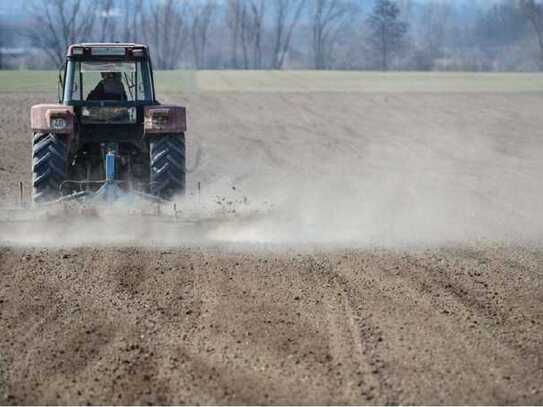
49 118
164 119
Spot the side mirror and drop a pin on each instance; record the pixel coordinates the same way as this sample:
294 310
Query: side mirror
60 86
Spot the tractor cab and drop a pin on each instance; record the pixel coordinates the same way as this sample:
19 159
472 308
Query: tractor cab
108 83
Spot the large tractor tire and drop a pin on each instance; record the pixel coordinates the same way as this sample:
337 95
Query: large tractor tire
168 167
48 167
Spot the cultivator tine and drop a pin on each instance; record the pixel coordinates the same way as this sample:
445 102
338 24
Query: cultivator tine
21 195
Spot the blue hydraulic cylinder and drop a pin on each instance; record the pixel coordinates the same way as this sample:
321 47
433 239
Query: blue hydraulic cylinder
110 167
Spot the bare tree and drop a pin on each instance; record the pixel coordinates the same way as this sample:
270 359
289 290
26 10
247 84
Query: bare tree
429 40
534 13
167 32
2 44
245 30
327 17
387 31
407 8
234 10
252 34
258 11
59 23
202 16
434 22
286 16
252 20
106 23
132 19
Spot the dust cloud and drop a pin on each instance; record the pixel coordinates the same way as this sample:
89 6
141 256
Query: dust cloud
339 169
420 202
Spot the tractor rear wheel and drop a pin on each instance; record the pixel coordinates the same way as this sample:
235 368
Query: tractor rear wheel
167 165
48 166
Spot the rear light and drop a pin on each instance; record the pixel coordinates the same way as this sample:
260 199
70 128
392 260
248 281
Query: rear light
160 119
80 51
164 119
58 123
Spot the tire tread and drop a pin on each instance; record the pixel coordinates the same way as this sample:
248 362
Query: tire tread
168 167
48 166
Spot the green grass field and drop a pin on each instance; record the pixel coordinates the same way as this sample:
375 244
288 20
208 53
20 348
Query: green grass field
170 82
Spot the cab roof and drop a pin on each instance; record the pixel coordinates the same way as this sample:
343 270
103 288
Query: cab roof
108 45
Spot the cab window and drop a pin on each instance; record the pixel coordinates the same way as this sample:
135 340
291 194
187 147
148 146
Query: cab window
110 81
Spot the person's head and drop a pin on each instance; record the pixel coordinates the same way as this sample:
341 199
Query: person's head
110 76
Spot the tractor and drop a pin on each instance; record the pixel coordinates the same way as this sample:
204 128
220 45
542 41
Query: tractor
108 136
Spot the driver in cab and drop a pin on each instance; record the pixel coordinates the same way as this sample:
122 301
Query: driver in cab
109 88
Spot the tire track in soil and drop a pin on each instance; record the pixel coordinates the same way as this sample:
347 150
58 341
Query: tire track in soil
472 348
362 344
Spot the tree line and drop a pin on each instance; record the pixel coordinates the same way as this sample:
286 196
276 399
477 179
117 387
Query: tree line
299 34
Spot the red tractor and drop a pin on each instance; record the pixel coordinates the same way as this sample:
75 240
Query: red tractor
108 135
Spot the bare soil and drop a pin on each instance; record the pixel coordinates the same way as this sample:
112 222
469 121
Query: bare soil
448 311
137 326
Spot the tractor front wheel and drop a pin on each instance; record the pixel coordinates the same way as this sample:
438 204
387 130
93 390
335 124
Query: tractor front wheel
48 166
167 165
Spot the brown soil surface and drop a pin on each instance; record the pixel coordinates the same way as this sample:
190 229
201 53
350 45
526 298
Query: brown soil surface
136 326
318 317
